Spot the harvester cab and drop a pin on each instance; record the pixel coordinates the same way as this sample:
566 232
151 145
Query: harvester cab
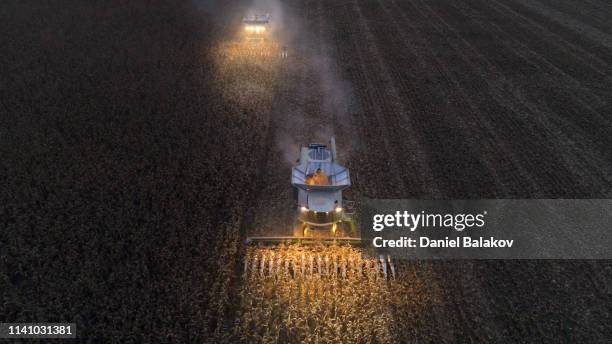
256 27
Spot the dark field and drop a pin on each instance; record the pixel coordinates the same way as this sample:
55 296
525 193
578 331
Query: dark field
136 157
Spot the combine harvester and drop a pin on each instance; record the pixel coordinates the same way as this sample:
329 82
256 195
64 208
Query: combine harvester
324 219
256 39
256 27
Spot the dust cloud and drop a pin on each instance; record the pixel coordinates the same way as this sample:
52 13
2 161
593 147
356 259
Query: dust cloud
318 103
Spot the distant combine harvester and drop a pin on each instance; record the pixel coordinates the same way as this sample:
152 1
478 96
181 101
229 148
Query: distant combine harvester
257 38
256 27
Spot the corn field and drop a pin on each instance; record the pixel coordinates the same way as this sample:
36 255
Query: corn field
141 145
313 295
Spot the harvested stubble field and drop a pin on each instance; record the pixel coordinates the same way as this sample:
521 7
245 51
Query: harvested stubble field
136 156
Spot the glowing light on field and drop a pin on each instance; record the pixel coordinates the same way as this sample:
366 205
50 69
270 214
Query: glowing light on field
255 28
320 293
